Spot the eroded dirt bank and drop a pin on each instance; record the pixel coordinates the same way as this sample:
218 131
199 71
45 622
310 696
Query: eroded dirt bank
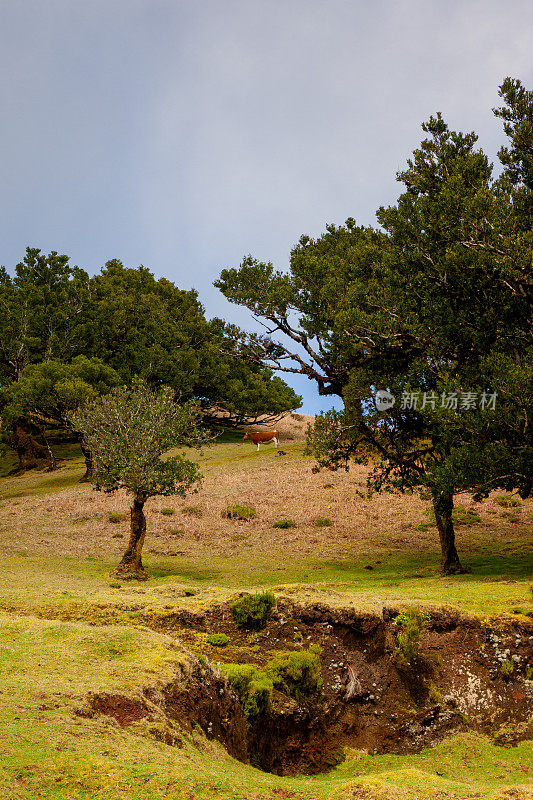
467 674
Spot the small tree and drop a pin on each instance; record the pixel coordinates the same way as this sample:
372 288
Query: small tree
128 432
44 397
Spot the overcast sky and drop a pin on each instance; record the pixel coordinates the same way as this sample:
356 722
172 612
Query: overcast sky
185 134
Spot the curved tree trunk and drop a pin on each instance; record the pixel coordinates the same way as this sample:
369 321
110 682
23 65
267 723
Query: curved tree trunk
89 462
31 453
131 565
443 506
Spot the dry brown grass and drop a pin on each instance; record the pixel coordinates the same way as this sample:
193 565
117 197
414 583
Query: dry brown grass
75 522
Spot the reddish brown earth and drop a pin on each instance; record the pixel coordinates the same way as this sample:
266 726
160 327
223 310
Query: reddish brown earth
368 702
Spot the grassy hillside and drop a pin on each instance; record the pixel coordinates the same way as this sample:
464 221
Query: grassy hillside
67 629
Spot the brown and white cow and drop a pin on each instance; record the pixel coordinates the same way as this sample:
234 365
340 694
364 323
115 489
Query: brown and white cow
262 437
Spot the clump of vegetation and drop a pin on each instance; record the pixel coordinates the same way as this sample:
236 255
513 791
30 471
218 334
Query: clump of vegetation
253 687
168 512
253 610
507 667
192 511
511 516
218 639
435 695
507 501
114 518
285 523
243 513
297 674
323 522
410 625
465 516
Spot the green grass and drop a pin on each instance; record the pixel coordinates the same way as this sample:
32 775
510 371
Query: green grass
67 629
48 751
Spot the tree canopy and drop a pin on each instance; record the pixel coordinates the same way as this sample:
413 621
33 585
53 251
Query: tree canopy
131 323
434 304
129 432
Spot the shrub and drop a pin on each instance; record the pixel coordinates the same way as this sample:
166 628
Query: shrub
507 501
323 522
296 673
410 623
285 523
168 512
192 511
115 518
243 513
217 639
253 687
252 610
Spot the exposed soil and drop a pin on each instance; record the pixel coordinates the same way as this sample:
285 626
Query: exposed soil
124 710
456 682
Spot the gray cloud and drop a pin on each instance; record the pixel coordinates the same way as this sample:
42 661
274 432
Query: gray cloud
183 135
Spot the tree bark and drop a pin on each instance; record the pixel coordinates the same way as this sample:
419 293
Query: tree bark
51 458
131 565
89 462
443 506
30 453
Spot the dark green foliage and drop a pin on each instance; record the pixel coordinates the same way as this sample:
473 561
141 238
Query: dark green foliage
217 639
168 512
323 522
285 523
297 673
438 300
42 313
253 610
243 513
409 626
253 687
124 319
